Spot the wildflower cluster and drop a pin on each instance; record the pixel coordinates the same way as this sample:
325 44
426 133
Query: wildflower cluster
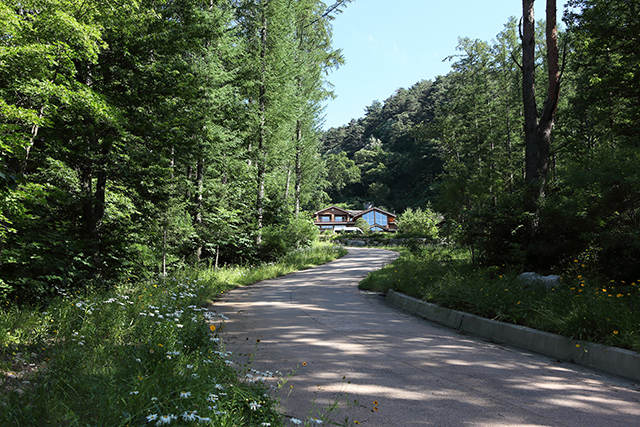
137 354
155 350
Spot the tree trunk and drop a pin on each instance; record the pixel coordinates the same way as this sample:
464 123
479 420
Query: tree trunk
262 133
164 252
538 132
298 166
199 202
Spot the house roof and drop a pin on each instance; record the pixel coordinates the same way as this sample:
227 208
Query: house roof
360 213
333 207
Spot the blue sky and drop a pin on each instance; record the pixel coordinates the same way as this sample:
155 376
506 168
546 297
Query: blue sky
394 44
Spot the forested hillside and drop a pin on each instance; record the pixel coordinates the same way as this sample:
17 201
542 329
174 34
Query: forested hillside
459 142
140 136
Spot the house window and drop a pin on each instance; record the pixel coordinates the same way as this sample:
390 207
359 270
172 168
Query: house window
369 218
374 217
325 218
381 219
340 218
376 229
326 227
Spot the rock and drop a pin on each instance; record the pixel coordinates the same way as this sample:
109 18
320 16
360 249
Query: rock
356 243
535 279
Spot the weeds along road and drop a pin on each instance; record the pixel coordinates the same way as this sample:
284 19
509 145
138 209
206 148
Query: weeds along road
366 362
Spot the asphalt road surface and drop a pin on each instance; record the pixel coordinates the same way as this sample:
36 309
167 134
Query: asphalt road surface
348 357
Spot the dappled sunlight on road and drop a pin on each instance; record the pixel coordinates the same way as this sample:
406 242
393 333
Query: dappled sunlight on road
345 346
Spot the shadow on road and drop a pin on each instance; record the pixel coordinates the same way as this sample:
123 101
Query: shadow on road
349 347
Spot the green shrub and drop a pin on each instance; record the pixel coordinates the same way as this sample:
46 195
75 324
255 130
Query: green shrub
277 240
363 225
419 222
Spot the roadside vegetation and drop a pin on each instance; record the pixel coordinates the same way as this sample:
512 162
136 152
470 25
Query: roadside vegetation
584 306
143 353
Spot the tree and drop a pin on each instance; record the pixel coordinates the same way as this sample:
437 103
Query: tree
538 129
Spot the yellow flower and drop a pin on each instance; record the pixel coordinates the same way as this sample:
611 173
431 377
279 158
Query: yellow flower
578 345
212 328
615 332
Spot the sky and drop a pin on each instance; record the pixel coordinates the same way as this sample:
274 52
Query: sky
392 44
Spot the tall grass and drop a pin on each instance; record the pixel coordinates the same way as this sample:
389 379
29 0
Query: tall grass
138 354
582 306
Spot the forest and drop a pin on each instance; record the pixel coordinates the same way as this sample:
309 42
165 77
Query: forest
140 137
458 145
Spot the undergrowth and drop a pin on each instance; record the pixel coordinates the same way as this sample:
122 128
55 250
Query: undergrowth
140 354
582 306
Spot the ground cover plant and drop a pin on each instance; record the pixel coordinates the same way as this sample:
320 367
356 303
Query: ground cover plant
140 354
583 306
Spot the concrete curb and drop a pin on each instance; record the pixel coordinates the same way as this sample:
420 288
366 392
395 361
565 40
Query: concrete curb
617 361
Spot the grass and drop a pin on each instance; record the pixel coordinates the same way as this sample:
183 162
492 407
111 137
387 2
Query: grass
582 306
138 354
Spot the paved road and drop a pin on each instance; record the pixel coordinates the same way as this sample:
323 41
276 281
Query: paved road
350 347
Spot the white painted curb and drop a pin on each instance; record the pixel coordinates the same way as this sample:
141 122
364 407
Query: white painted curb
613 360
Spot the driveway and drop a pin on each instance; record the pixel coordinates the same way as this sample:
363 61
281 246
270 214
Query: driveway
380 367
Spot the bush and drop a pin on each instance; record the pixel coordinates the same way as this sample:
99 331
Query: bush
277 240
363 225
420 222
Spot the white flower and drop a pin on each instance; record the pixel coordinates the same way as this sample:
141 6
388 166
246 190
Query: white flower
317 421
266 424
134 392
152 417
254 406
189 416
296 421
212 397
166 419
184 394
204 419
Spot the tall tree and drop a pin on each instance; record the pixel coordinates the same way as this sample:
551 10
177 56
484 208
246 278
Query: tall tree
538 128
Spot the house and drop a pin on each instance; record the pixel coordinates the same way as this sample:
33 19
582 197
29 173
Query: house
338 219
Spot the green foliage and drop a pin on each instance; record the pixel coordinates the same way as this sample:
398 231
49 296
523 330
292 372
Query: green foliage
279 239
136 352
461 139
88 198
396 167
423 223
363 225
